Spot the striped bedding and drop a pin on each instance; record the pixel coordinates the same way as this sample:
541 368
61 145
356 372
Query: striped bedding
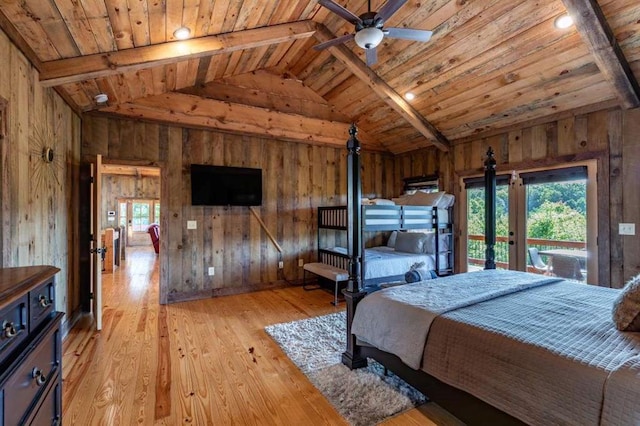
547 353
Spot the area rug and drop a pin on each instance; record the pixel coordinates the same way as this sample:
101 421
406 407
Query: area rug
364 397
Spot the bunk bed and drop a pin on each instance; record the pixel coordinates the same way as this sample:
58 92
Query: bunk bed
499 347
387 263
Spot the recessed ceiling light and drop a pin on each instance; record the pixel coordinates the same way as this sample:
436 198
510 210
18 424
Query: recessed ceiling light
563 21
409 96
182 33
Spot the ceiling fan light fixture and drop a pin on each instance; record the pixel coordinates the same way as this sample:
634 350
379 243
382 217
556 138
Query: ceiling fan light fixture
182 33
563 21
369 38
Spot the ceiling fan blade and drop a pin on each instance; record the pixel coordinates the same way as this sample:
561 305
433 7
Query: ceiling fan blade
333 42
408 34
389 8
371 56
340 11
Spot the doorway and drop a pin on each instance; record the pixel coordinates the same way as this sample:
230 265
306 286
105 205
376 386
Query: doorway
138 186
545 218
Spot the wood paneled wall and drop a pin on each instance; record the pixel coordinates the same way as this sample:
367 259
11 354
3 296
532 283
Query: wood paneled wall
424 162
39 200
297 178
611 137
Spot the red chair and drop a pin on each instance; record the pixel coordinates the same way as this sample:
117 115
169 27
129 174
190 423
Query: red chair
154 232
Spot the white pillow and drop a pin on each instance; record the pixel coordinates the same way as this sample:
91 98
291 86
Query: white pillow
410 242
424 199
446 201
382 202
430 242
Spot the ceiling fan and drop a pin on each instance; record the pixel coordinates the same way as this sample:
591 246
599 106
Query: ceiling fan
369 28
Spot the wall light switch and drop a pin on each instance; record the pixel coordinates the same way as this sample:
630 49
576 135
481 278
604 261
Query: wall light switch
627 228
212 271
301 262
192 224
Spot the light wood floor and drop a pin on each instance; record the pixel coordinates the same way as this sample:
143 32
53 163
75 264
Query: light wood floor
203 362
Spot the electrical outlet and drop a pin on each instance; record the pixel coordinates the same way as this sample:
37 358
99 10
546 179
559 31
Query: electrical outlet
280 265
301 262
192 224
627 228
212 271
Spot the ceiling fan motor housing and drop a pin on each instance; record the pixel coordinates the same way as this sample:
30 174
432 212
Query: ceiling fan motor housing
369 20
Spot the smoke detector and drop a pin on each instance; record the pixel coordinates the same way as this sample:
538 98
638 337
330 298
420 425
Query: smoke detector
101 98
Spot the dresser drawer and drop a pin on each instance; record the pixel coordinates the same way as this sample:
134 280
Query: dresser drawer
13 320
41 304
48 413
30 379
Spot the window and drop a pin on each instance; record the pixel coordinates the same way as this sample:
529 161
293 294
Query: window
551 211
122 213
140 216
156 212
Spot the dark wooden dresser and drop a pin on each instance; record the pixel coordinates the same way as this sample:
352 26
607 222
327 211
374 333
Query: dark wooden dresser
30 347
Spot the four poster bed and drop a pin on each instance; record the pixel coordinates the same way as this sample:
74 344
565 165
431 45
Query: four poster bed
495 347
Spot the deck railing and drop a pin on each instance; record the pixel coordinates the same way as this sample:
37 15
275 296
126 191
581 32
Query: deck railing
476 248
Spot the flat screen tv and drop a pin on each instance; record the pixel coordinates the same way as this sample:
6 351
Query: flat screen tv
225 186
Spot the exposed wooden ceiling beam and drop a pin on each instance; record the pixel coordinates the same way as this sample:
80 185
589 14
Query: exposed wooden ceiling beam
382 89
17 39
601 42
194 111
72 70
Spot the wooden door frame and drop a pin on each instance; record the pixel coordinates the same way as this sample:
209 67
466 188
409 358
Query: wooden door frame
5 194
84 236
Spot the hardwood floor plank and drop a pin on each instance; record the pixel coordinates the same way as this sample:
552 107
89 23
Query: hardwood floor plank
203 362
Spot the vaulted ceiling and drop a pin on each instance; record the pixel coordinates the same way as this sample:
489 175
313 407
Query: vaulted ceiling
250 65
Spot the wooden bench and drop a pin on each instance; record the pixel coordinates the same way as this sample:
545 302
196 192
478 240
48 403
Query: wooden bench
326 271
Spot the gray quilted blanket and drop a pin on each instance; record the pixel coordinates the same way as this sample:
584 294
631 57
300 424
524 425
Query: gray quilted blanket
546 354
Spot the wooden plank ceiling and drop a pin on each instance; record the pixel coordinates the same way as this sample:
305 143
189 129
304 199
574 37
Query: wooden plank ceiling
250 67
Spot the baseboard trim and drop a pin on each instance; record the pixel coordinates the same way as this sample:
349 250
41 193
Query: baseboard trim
69 321
226 291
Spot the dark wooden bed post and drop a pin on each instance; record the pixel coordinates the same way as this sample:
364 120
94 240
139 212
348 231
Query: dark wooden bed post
490 209
353 293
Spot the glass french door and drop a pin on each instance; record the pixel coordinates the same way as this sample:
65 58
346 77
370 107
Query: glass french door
475 205
541 215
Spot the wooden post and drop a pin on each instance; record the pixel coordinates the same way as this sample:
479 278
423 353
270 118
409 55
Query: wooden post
353 293
490 209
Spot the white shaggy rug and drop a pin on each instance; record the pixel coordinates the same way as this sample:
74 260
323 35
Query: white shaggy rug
364 397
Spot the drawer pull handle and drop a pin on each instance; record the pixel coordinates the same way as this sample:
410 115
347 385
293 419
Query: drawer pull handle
44 302
36 373
9 330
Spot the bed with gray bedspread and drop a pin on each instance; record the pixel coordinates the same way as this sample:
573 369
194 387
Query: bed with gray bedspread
541 349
